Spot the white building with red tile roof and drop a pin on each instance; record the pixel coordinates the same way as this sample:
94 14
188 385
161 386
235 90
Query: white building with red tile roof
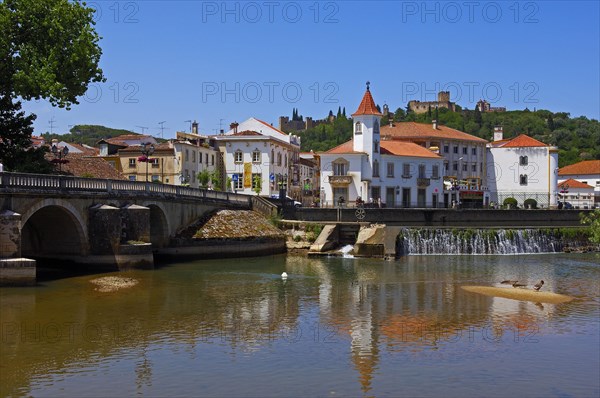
393 173
579 194
586 172
522 168
254 152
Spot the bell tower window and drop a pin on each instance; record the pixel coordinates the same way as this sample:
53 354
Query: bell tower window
358 128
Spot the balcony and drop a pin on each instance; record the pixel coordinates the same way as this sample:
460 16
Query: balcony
340 180
423 182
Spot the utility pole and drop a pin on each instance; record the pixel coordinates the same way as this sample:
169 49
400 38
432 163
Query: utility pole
143 128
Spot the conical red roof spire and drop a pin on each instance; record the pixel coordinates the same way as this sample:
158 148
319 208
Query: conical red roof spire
367 105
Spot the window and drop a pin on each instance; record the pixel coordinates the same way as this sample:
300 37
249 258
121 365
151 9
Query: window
376 146
187 155
375 193
238 156
455 149
256 156
131 178
465 150
272 156
156 178
523 179
435 171
212 160
286 164
358 128
390 170
455 166
446 149
446 167
421 171
474 167
132 163
523 161
339 169
465 166
406 170
375 168
279 159
206 159
376 127
474 151
239 182
194 156
154 163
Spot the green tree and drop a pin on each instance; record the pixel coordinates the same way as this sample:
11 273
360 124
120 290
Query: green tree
593 220
257 184
203 178
48 49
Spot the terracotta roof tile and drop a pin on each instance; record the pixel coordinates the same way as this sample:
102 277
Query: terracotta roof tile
412 130
346 147
404 148
367 106
584 167
247 132
574 184
82 165
523 141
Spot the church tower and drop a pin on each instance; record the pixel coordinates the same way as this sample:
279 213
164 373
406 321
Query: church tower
366 122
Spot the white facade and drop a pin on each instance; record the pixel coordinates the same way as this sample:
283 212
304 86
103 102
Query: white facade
255 152
522 171
388 173
191 159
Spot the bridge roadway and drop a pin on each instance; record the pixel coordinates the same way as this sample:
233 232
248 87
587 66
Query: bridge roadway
95 221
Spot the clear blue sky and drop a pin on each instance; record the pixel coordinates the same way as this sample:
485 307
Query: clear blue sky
218 62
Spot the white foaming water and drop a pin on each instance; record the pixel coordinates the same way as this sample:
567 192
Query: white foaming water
346 251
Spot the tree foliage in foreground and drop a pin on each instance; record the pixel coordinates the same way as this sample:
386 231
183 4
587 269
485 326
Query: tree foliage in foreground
48 49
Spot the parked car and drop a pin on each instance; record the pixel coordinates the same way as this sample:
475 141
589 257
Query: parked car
288 199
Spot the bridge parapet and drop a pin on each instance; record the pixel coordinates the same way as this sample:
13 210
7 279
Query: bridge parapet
21 182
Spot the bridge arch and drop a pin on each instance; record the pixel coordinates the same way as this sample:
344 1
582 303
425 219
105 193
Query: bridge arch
159 225
52 228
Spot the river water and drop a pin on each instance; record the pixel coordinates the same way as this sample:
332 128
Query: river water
336 327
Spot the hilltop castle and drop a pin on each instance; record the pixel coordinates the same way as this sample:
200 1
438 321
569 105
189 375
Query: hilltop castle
442 102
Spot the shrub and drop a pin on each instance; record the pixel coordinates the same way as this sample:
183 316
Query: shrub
530 203
510 203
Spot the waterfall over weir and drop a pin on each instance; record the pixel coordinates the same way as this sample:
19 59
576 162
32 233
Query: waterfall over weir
478 241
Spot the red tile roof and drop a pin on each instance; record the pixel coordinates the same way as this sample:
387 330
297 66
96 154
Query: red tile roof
585 167
346 147
523 141
82 165
398 148
404 148
247 132
367 106
574 184
412 130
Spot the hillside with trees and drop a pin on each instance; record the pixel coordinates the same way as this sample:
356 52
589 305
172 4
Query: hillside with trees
577 138
88 134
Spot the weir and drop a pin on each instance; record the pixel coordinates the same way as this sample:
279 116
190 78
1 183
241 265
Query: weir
487 241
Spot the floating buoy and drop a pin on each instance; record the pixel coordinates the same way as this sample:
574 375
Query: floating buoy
284 275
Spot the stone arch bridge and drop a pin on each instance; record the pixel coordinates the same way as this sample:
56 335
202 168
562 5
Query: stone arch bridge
94 221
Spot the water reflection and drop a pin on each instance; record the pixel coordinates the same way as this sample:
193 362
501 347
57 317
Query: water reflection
359 315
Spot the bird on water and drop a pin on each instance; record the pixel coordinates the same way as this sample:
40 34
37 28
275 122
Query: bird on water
538 286
508 282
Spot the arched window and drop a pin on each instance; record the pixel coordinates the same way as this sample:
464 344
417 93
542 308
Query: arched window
279 159
256 156
375 168
358 128
523 179
376 127
523 160
238 156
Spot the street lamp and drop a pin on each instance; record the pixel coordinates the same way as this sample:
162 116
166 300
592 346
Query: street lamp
59 154
147 150
565 191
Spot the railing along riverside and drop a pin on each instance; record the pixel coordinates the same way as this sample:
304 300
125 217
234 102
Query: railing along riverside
11 181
